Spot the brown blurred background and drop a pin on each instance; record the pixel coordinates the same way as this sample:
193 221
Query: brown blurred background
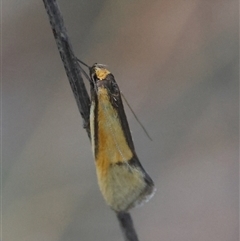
177 62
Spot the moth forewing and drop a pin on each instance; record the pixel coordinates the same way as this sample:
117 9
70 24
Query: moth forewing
121 178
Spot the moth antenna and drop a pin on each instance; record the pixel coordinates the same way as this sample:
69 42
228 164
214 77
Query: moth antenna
139 122
80 61
82 70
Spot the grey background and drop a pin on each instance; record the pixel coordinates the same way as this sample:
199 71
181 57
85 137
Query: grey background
177 63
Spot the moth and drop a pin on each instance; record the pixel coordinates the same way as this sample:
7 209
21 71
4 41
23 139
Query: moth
122 180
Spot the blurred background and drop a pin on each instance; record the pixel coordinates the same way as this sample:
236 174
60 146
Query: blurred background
177 63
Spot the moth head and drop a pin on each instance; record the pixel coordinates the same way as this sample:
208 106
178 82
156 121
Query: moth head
99 72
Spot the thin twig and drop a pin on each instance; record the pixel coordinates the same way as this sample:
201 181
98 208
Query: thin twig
69 61
79 90
127 227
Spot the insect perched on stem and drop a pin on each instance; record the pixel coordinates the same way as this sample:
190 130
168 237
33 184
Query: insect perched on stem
121 178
